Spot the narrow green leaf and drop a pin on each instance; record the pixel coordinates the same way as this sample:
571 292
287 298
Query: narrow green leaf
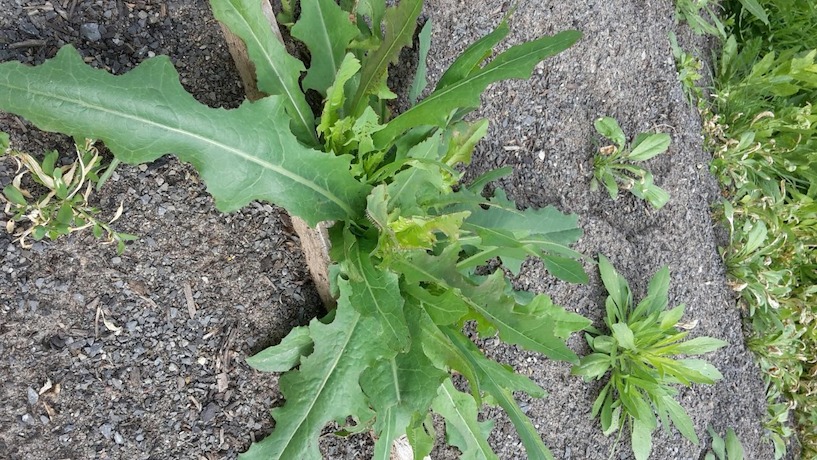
734 449
335 95
649 147
700 371
326 30
462 139
617 287
671 317
4 142
624 336
470 60
374 9
641 440
276 70
463 428
243 154
592 366
566 269
680 419
480 182
499 382
400 22
718 445
285 355
754 7
515 63
699 345
421 436
326 387
419 83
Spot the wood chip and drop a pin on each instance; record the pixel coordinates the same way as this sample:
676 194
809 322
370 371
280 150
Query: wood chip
191 304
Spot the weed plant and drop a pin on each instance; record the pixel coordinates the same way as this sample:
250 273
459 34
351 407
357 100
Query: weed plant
762 128
639 355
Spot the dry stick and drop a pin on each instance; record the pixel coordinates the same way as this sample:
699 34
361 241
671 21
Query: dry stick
314 242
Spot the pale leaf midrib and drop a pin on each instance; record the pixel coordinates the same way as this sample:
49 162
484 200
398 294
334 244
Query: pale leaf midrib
264 164
271 64
328 375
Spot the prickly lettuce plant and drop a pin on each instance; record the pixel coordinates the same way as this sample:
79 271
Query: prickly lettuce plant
408 234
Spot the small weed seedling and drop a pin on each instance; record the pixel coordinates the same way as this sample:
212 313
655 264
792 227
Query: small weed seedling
63 208
638 355
730 449
614 164
689 71
408 234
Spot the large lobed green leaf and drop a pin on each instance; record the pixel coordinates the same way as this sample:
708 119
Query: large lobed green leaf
326 30
327 386
399 23
276 70
243 154
489 303
517 62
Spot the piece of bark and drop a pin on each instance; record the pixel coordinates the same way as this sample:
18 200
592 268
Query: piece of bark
314 242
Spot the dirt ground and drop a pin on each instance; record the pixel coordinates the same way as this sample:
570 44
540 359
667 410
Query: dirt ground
173 383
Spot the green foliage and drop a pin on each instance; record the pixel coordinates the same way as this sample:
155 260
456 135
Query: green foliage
56 203
638 354
614 165
762 129
730 449
689 71
700 16
408 236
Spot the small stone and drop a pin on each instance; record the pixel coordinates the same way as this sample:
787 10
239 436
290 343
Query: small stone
209 412
33 397
106 430
90 30
117 438
28 420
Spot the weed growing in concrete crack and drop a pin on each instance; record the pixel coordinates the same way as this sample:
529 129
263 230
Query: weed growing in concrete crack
56 203
614 165
639 356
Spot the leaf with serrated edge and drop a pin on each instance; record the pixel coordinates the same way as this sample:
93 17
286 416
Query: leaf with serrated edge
488 300
463 428
243 154
377 294
326 30
400 22
335 94
326 387
285 355
499 382
276 70
515 63
401 390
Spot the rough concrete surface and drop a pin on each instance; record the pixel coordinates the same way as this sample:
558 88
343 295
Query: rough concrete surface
173 384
